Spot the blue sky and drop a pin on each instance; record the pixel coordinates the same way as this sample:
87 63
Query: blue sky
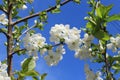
69 68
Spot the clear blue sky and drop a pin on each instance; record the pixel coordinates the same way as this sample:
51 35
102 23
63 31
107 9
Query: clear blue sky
69 68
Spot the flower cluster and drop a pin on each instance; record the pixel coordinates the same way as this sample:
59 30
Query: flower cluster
3 19
33 43
3 72
114 43
60 34
54 57
84 50
90 75
71 36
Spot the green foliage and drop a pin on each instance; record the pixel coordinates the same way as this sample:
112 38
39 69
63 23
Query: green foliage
28 64
42 77
113 17
43 16
77 1
103 11
56 10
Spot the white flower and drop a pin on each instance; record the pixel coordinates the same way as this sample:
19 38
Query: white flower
60 50
24 7
33 43
83 53
53 58
3 72
59 32
74 43
3 67
42 51
98 74
118 41
38 40
71 36
114 43
90 75
87 39
112 46
3 19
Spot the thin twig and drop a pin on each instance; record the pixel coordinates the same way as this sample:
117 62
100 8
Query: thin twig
26 31
37 14
3 10
18 51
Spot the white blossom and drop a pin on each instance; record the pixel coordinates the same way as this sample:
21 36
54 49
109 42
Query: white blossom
3 19
3 72
59 32
24 7
60 50
53 58
87 39
83 53
71 36
33 43
98 74
114 43
90 75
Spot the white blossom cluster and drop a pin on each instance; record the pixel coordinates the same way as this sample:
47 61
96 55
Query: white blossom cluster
84 51
54 57
114 43
3 72
33 43
3 19
71 37
90 75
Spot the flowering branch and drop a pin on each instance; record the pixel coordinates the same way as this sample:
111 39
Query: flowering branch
37 14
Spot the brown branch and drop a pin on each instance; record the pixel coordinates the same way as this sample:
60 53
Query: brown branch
9 39
3 10
37 14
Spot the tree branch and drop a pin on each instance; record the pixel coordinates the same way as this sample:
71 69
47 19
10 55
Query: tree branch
37 14
3 10
18 51
9 39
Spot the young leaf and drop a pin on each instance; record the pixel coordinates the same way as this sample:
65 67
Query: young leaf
28 64
101 35
113 18
77 1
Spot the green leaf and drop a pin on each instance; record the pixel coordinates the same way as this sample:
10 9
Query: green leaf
77 1
28 64
113 18
102 11
43 16
56 10
101 35
58 2
31 73
42 77
116 66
